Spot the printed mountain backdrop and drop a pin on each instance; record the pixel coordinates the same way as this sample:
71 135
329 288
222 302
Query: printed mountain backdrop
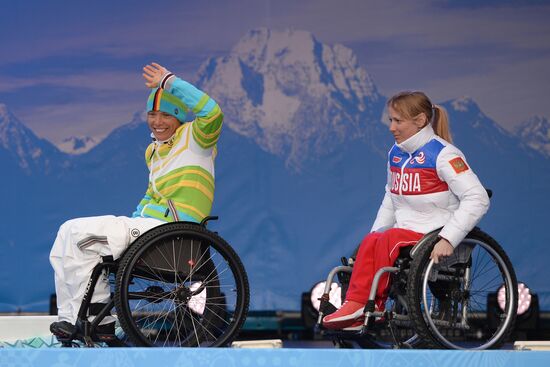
300 173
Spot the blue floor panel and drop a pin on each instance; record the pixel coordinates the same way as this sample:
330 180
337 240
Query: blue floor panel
226 357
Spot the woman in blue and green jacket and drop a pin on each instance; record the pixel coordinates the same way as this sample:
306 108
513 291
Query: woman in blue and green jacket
181 185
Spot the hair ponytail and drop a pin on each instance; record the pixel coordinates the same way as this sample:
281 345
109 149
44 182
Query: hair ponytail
440 123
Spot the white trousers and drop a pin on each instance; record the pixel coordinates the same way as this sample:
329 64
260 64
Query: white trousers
78 248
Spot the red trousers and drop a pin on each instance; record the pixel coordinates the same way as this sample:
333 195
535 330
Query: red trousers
377 251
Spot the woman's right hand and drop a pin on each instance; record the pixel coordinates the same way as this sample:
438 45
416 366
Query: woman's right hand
153 73
442 248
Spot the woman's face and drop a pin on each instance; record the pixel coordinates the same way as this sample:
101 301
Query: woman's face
162 124
402 128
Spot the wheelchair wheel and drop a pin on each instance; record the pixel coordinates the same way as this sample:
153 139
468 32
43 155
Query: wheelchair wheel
448 301
180 285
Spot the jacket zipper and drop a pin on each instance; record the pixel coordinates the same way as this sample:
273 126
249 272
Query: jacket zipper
152 178
402 169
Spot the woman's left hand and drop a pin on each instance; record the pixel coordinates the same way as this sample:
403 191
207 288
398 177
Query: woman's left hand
153 74
442 248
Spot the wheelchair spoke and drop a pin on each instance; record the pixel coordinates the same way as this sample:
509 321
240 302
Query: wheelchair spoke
482 271
495 281
203 263
481 304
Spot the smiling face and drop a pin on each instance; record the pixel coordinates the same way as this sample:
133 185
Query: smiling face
403 128
162 124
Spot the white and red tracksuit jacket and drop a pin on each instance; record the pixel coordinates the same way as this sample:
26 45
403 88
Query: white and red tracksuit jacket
430 185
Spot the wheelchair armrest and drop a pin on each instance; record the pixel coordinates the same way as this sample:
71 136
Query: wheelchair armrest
107 259
207 219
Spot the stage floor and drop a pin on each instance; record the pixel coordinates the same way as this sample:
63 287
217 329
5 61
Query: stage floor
46 351
278 357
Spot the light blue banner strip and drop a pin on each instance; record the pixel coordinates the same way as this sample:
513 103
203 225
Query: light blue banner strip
226 357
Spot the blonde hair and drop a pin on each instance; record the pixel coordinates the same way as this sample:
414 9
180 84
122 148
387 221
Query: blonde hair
411 104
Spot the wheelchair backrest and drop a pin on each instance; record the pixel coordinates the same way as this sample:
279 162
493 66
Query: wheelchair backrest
177 258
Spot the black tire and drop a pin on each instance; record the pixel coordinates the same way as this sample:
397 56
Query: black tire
181 285
448 301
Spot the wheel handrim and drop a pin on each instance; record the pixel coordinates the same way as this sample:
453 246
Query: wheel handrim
475 297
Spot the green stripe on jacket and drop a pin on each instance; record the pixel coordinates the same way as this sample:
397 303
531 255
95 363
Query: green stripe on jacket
206 130
191 188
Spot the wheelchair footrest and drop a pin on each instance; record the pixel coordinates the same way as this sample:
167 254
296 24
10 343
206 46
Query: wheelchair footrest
106 338
369 331
346 335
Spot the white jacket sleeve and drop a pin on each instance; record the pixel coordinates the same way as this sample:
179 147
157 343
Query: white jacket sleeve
386 214
463 182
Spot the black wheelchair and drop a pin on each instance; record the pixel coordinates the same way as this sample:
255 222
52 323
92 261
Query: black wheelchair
177 285
445 305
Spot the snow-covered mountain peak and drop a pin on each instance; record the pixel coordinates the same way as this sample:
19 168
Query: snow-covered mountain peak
292 94
3 111
27 150
469 113
7 118
464 104
534 124
259 46
77 144
299 57
535 133
10 127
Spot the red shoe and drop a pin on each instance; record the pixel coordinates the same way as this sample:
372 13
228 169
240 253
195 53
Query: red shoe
356 326
344 317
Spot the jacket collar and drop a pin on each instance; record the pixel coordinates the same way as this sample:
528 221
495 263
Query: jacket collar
169 141
418 140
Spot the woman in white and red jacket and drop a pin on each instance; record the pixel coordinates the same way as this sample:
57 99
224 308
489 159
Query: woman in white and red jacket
429 186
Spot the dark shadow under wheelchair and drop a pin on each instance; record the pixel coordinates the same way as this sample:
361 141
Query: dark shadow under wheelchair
434 305
177 285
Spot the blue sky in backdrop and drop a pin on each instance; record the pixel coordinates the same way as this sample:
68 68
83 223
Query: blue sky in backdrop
74 67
